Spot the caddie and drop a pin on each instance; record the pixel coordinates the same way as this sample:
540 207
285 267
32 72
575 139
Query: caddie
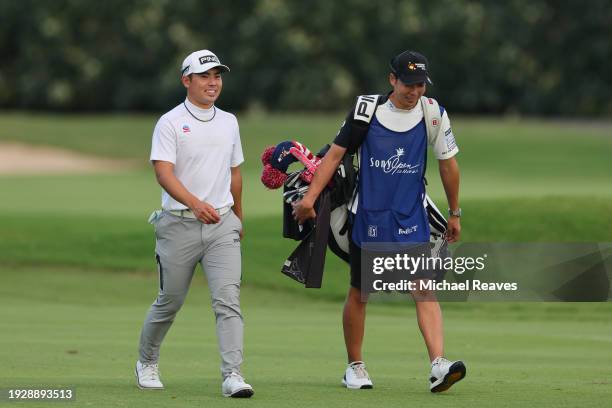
196 154
390 135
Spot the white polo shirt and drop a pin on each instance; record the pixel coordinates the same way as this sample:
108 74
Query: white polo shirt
203 145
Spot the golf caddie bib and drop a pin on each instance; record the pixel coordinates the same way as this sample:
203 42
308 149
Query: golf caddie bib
391 186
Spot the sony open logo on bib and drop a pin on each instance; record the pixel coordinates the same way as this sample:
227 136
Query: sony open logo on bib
394 164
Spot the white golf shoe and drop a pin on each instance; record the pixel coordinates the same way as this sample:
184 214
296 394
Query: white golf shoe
147 376
445 373
235 387
356 377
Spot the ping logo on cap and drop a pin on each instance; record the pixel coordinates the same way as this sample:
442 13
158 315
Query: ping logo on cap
208 58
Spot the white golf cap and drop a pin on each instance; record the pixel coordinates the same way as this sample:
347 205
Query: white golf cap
201 61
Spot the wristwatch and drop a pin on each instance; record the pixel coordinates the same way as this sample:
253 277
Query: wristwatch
455 213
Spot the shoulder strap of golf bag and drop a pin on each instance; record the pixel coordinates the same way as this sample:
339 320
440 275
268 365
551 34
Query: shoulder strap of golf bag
364 111
433 118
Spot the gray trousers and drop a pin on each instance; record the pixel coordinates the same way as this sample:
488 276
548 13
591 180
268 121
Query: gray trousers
181 244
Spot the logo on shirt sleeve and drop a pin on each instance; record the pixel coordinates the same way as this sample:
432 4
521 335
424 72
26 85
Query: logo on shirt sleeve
451 144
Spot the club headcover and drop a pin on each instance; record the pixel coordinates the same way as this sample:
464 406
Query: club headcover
271 177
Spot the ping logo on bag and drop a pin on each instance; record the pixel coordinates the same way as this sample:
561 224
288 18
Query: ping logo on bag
366 105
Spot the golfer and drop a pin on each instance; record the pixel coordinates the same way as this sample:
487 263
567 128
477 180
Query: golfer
390 207
196 154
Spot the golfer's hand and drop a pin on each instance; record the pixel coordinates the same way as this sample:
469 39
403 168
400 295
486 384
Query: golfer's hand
453 231
303 210
205 212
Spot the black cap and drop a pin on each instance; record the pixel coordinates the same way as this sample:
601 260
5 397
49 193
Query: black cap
411 68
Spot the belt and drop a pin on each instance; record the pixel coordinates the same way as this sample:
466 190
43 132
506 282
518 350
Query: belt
189 214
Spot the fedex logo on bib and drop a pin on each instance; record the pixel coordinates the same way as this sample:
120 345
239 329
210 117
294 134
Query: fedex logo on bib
394 164
407 230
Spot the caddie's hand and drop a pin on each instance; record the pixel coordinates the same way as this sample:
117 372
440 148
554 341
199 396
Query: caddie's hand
453 231
205 213
303 210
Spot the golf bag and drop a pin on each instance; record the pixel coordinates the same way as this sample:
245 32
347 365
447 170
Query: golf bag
338 201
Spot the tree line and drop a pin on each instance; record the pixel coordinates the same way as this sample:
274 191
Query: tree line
515 56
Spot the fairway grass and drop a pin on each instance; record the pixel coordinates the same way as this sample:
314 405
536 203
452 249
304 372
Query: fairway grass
126 243
80 329
498 157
